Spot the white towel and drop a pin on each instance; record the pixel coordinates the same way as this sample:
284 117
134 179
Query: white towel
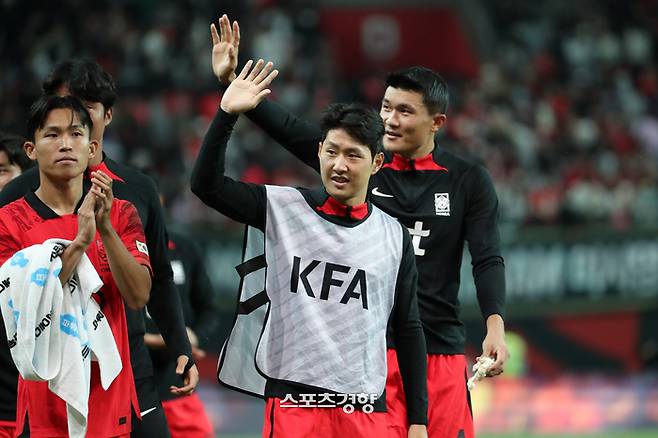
52 332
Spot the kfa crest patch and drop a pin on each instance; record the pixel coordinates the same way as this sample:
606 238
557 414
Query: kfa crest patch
442 204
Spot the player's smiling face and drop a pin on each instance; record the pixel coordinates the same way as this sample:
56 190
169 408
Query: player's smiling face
62 146
346 166
409 126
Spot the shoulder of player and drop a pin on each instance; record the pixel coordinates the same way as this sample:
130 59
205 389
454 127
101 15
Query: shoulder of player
13 208
469 168
453 161
392 220
140 183
121 206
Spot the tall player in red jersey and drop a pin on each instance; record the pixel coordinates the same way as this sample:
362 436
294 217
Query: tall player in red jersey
444 201
107 230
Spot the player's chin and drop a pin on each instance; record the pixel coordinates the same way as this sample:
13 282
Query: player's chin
340 194
66 173
395 145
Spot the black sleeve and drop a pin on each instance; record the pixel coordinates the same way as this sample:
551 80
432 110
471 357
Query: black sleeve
17 187
240 201
164 304
299 137
481 233
409 338
202 299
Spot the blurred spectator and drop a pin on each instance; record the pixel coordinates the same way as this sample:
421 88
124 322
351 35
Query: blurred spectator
564 112
13 160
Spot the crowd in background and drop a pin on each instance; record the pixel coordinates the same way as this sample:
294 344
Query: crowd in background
563 113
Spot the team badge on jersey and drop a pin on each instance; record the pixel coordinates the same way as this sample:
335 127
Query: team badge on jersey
141 247
442 204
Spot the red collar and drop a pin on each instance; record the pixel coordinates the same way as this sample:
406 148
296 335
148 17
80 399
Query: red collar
103 167
334 208
425 163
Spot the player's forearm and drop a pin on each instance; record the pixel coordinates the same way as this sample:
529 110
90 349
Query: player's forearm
412 360
495 326
70 258
154 342
132 279
242 202
208 174
409 337
166 311
490 288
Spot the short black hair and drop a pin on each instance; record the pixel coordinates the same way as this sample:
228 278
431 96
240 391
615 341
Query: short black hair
359 121
45 104
425 81
12 145
85 79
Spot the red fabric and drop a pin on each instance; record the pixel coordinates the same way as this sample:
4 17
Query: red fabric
187 418
7 429
616 336
334 208
301 422
448 411
103 168
367 39
425 163
20 227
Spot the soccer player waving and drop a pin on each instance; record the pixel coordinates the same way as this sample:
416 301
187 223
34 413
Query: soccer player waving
338 268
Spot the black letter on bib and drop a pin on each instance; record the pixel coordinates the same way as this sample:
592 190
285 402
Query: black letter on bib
360 279
295 276
328 281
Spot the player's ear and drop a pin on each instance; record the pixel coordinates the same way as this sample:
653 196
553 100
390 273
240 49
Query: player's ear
438 120
319 148
93 148
30 150
377 162
108 116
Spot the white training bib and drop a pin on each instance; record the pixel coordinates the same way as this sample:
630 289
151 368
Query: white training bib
331 290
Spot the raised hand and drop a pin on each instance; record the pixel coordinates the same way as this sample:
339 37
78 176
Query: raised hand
101 188
225 47
249 88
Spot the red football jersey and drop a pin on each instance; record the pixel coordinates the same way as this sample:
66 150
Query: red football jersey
28 221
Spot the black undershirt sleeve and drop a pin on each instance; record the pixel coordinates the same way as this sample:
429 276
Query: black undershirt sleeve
481 233
164 303
408 335
203 300
297 136
242 202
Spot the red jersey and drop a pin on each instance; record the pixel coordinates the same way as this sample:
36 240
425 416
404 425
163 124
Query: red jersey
28 221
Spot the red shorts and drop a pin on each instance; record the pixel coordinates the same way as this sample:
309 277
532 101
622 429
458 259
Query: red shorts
187 417
7 429
449 410
302 422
